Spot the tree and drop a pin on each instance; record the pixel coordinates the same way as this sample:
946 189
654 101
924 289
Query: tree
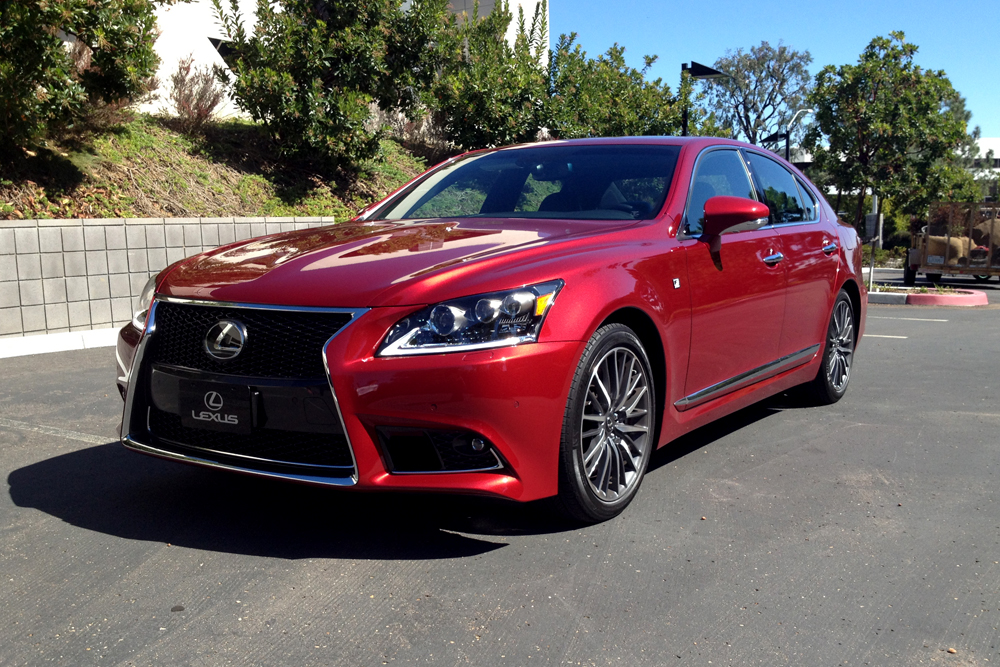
883 123
311 68
42 87
766 86
951 177
492 93
979 169
604 97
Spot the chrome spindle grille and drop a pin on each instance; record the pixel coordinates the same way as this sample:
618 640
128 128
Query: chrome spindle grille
280 343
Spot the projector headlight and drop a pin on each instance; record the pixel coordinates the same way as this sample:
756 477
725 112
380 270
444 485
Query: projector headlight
478 322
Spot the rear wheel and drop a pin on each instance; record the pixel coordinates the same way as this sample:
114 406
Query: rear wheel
981 279
909 275
934 277
608 427
834 373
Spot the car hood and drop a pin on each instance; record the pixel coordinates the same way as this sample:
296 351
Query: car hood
357 265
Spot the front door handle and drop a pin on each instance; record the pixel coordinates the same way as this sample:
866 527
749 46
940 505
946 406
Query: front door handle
771 260
830 248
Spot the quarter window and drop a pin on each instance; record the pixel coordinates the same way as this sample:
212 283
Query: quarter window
808 201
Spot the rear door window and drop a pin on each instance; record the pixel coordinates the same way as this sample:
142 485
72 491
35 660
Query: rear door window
779 190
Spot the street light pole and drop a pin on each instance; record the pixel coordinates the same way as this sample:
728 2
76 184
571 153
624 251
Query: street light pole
696 71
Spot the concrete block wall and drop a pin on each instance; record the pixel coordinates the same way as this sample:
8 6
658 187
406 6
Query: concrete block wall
58 276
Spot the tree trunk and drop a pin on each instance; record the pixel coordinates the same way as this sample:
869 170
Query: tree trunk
860 212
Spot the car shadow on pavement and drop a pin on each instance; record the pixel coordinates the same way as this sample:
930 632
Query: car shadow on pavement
706 435
110 490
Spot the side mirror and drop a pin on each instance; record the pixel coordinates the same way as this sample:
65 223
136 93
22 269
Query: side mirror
721 213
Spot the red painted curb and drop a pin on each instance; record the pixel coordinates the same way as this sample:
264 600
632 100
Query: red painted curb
959 298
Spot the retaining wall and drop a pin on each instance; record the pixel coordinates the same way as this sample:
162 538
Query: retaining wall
75 275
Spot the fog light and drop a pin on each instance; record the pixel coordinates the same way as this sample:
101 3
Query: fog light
478 445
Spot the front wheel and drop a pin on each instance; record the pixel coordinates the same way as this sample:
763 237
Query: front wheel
981 279
834 373
608 427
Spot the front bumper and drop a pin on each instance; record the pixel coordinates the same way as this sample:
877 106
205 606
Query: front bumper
512 398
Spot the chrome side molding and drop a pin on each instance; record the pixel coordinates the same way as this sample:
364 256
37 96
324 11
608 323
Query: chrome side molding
745 379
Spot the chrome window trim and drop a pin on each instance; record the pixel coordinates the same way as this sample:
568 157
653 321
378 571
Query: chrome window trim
682 231
746 379
129 441
794 224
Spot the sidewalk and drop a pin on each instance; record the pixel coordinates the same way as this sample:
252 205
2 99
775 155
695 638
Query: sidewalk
57 342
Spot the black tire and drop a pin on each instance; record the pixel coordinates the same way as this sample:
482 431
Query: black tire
909 275
981 279
608 428
830 383
934 277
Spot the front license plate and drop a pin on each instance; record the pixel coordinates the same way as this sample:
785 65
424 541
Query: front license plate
216 406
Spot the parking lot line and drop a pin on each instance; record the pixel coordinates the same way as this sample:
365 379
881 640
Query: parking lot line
908 319
58 432
868 335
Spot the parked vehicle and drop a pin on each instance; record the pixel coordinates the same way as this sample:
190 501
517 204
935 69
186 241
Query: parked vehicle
522 322
958 239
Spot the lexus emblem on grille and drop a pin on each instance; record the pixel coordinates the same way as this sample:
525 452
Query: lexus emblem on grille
213 401
225 339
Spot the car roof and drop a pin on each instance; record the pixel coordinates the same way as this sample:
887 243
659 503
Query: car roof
692 143
626 141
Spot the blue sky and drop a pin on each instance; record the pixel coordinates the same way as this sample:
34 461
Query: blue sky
958 37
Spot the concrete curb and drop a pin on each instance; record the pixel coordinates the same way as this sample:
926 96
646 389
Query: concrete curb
959 298
896 298
58 342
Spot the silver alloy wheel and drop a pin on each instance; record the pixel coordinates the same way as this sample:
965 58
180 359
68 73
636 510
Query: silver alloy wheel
615 429
841 346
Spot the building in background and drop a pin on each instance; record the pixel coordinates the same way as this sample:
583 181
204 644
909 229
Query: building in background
989 159
191 29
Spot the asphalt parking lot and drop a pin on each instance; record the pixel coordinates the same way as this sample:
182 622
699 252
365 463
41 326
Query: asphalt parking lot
864 533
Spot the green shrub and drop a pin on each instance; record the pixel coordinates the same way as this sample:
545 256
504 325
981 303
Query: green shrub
491 93
311 68
43 87
604 97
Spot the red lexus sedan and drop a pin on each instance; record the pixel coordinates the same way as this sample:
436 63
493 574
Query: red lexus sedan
522 322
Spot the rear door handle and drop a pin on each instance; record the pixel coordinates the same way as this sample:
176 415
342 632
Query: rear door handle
771 260
830 248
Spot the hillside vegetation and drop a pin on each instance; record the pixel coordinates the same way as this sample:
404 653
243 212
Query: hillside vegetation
143 167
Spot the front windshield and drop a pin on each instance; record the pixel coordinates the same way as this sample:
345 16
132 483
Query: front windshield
605 182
